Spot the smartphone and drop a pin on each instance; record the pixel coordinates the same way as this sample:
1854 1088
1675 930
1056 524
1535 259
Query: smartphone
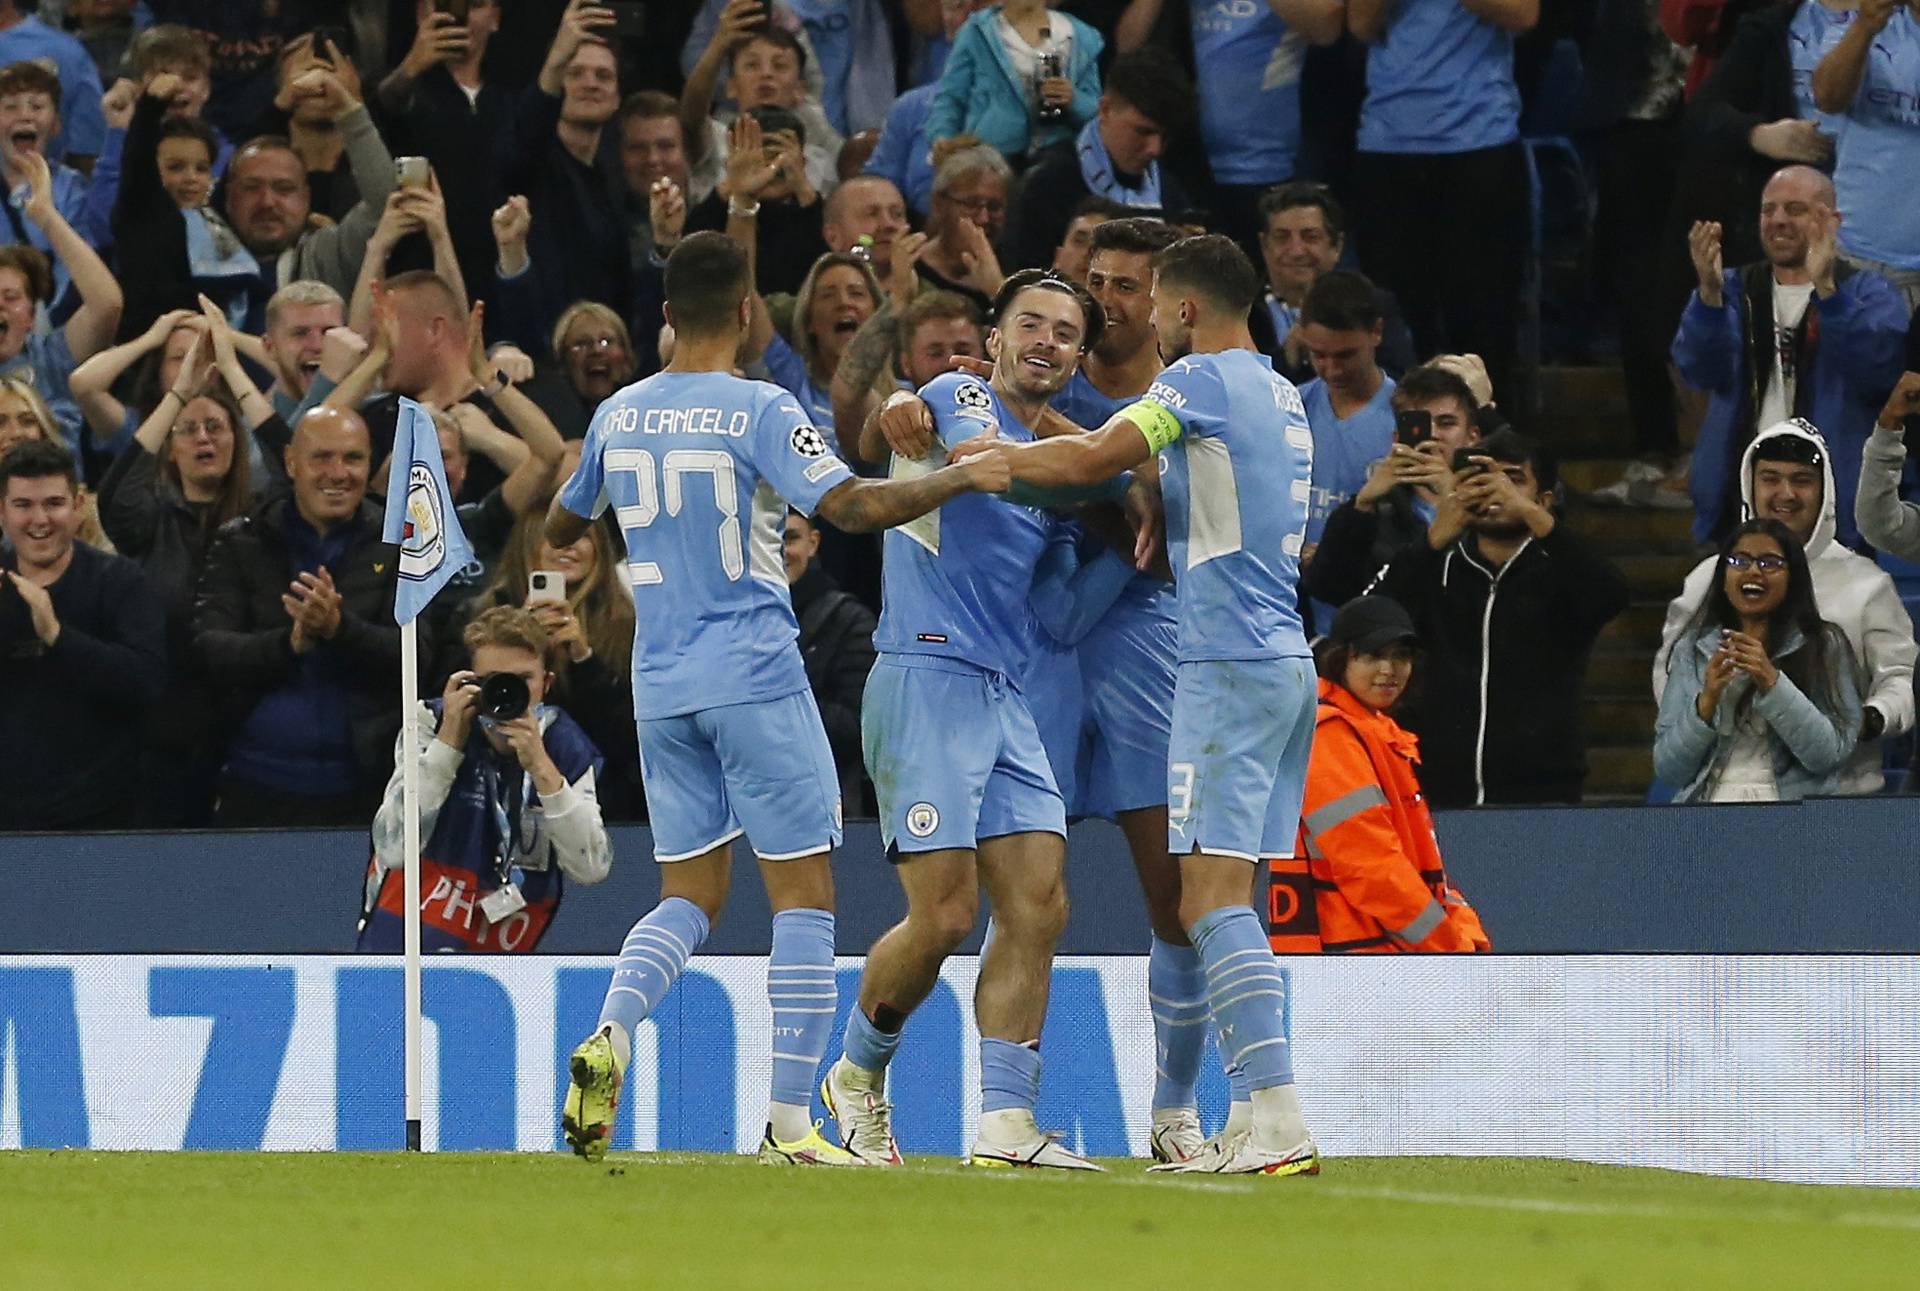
1413 426
630 18
546 586
334 36
410 172
456 9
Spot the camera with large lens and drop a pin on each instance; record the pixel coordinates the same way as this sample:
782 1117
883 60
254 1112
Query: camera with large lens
503 696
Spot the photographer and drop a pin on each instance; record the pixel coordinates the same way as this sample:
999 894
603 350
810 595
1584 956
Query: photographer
507 804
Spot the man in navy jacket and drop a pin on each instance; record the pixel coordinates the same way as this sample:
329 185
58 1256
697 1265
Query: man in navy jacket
1799 334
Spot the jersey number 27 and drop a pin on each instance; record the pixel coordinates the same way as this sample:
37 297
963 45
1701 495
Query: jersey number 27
664 480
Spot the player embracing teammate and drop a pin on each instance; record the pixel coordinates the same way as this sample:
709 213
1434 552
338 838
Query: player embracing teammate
1229 439
977 808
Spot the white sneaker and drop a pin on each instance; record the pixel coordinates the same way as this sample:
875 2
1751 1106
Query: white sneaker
1208 1159
1249 1156
1176 1134
1008 1140
864 1117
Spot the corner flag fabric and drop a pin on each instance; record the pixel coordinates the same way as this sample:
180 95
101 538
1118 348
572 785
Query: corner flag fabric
420 515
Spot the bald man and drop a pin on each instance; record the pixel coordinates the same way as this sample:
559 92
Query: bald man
1798 334
866 206
295 617
431 362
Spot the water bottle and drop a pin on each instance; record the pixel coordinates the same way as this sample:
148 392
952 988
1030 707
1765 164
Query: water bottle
1046 67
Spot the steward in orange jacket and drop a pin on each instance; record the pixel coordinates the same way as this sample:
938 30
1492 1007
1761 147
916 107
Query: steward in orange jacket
1366 873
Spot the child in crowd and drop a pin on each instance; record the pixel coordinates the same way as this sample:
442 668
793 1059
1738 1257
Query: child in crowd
995 84
163 222
163 50
29 123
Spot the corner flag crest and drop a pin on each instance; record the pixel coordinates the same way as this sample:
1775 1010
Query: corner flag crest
420 518
423 538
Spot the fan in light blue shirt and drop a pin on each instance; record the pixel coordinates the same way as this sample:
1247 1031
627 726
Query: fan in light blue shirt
1439 76
1875 78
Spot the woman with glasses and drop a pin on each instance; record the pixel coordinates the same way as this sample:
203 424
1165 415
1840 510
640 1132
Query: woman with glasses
1761 704
185 475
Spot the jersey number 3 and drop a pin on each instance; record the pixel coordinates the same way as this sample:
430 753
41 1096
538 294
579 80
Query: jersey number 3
665 480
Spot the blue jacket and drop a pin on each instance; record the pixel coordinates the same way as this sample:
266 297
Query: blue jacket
979 94
903 153
1851 350
1810 745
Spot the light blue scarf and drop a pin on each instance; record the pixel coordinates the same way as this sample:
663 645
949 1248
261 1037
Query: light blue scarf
1096 168
219 265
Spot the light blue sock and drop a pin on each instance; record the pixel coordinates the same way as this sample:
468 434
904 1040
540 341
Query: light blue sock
801 989
866 1045
1177 994
1237 1081
1247 993
655 952
1009 1076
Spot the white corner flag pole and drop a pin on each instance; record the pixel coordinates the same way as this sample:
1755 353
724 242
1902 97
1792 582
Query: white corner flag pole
410 811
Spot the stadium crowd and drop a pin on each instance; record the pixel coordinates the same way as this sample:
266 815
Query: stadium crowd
238 234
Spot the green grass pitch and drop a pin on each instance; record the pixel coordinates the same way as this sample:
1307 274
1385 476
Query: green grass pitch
138 1221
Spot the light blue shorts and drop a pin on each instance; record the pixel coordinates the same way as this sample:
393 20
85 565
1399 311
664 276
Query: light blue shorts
763 769
1128 664
1237 764
954 755
1053 695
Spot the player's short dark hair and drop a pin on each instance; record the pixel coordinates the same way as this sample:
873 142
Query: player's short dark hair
191 128
29 77
1136 235
1515 449
1289 196
37 459
1342 301
1153 81
1096 317
1430 381
706 280
1213 265
31 264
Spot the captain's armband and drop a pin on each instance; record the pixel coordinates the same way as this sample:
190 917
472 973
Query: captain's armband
1155 420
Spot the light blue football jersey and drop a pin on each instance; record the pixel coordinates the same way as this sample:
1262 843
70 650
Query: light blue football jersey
700 468
955 581
1236 470
1144 608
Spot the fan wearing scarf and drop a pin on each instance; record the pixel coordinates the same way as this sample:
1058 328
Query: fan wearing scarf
507 805
1116 156
163 220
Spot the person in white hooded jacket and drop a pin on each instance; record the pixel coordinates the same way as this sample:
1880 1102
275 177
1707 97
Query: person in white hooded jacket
1786 474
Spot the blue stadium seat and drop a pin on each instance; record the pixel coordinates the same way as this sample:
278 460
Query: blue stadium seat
1560 195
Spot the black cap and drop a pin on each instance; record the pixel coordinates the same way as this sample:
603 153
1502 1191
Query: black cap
1367 623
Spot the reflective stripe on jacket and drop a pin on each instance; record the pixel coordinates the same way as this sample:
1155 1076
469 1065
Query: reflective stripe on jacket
1371 856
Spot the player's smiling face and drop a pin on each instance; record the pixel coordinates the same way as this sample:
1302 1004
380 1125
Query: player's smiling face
1121 282
1036 347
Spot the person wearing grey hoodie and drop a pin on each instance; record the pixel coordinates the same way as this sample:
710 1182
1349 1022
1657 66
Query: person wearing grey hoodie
1884 520
1786 474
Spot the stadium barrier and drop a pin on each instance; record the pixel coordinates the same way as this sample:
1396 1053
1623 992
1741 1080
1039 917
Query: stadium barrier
1826 875
1777 1067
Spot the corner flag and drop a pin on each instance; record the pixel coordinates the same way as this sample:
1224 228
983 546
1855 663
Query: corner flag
421 520
420 515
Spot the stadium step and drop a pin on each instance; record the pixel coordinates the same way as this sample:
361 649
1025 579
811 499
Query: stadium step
1584 417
